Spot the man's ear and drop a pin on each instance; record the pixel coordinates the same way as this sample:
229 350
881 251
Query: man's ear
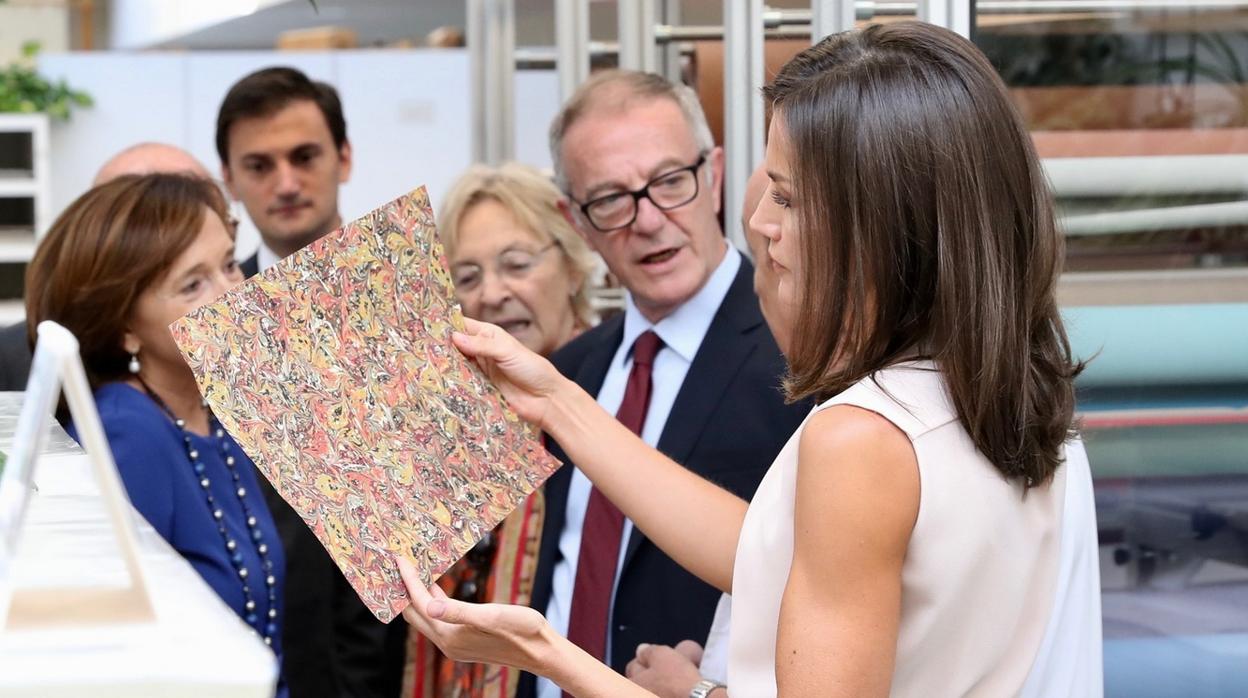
344 162
715 165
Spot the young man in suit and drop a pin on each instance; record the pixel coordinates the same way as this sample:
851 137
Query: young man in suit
284 152
642 179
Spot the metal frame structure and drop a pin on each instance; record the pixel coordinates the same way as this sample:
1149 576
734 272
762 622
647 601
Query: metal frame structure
743 105
492 42
647 44
636 22
572 44
831 17
958 15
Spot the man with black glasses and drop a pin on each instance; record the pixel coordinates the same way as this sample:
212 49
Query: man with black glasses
690 365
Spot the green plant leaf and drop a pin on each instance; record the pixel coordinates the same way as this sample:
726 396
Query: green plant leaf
24 90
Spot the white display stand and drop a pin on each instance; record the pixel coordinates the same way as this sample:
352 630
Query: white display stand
92 601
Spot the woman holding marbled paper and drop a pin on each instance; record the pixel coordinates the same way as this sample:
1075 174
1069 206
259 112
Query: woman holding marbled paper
908 217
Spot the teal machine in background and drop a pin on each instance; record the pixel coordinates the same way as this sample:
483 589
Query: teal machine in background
1164 408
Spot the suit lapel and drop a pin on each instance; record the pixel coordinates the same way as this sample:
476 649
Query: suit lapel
724 349
590 376
250 266
593 370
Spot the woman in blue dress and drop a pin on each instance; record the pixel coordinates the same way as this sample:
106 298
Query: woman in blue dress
120 264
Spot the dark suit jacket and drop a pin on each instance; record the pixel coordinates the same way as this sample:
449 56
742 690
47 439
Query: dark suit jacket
333 645
14 357
250 266
727 424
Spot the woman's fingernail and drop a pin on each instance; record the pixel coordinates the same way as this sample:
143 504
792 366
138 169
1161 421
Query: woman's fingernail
436 609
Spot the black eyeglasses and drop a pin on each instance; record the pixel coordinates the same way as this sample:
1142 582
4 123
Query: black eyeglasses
667 191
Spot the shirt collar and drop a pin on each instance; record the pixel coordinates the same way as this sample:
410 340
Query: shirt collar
682 330
265 257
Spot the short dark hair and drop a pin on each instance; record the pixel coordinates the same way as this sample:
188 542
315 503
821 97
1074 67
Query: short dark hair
103 252
927 228
267 91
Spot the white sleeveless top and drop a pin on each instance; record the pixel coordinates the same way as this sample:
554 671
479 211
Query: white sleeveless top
1000 591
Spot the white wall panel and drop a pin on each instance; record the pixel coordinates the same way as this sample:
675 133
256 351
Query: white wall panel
409 120
407 115
138 97
536 103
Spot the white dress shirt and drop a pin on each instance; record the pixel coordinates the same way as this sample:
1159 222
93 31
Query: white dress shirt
682 333
265 257
715 651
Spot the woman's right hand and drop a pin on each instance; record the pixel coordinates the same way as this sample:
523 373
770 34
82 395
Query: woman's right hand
468 632
527 380
505 634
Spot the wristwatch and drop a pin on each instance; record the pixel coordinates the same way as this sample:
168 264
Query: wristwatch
703 688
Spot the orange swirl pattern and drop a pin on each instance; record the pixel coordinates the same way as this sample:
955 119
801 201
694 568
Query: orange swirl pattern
334 370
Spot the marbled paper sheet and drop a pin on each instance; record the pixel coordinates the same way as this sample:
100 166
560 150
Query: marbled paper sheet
335 372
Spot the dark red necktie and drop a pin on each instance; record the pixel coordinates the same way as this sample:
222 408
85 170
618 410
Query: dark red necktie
604 524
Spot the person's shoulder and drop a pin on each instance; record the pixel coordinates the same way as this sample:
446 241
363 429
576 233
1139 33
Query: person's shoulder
570 356
144 444
858 439
13 340
122 398
126 412
15 357
851 425
11 333
858 471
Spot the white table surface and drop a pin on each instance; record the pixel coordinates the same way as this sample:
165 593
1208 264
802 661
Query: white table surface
194 646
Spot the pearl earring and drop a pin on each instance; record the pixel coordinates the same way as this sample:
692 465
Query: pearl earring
134 363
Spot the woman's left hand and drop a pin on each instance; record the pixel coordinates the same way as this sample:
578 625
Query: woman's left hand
467 632
511 635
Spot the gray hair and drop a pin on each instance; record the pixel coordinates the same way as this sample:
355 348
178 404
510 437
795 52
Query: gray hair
619 89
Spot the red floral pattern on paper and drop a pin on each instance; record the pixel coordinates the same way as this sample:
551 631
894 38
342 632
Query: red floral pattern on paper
335 372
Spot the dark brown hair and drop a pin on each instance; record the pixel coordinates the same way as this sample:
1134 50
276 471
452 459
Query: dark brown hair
268 91
106 249
927 229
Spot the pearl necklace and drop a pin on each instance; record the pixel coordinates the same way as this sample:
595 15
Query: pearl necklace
267 630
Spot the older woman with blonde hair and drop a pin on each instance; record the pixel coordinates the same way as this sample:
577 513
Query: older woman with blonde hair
517 263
